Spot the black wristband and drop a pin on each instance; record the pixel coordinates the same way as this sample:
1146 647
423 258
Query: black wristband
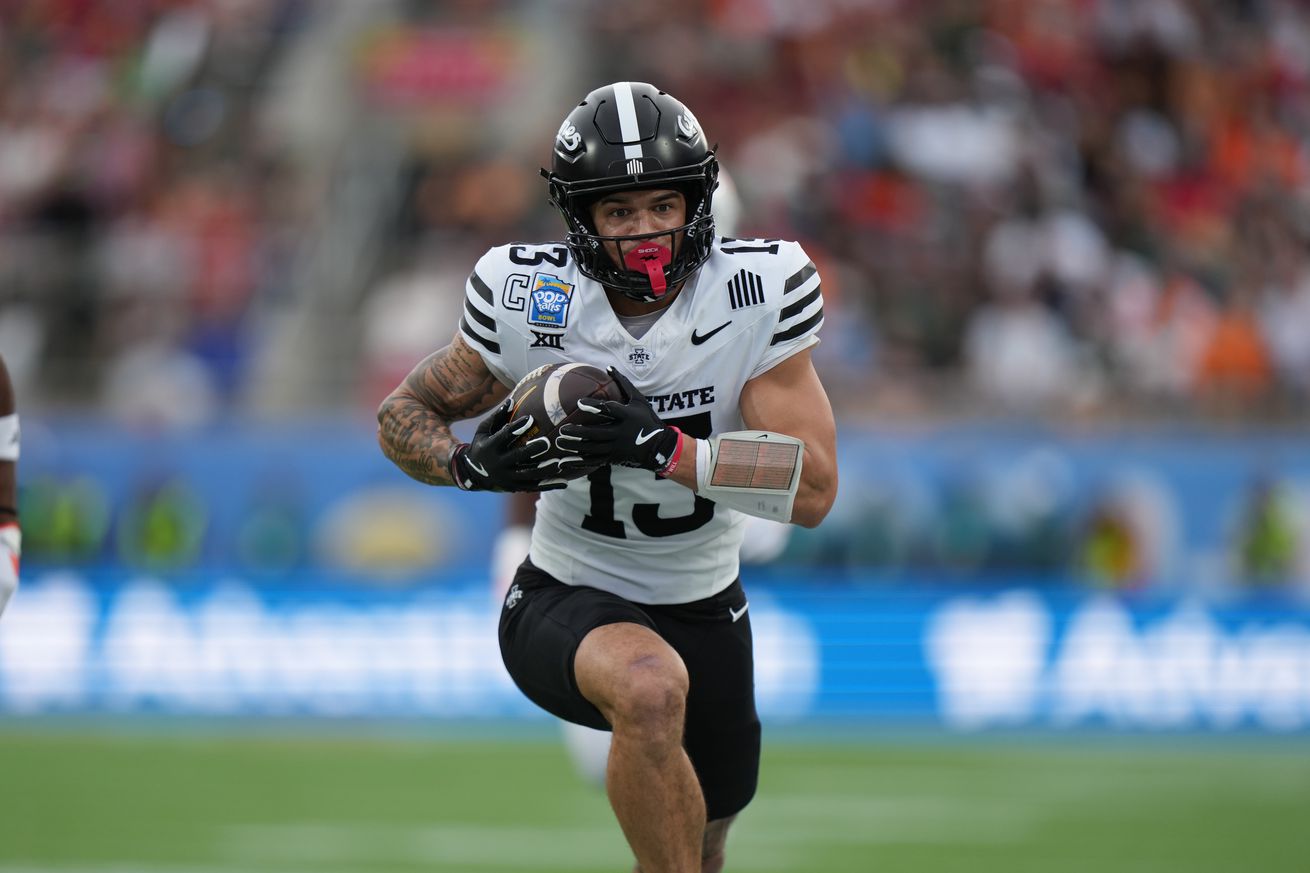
463 482
663 450
675 454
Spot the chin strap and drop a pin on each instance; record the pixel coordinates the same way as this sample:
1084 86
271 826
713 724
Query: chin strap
650 258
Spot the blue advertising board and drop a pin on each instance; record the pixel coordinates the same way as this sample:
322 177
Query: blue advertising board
868 654
971 577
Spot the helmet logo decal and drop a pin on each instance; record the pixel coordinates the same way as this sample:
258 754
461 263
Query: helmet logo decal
688 127
634 166
568 137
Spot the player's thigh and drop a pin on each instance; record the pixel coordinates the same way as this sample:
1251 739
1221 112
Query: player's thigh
542 622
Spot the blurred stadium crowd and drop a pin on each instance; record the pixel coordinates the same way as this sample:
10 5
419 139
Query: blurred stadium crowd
1049 207
1070 210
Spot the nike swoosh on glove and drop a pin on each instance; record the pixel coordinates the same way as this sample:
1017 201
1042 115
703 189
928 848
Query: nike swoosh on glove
628 433
492 463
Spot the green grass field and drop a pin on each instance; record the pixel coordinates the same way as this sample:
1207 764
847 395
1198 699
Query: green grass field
191 802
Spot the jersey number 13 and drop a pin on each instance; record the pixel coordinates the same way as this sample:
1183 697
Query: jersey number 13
646 516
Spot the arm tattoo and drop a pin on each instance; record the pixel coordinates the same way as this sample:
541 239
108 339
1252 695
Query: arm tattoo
414 421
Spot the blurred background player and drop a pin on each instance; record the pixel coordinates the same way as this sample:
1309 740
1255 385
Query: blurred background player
764 540
10 534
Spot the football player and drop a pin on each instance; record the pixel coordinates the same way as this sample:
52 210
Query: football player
628 614
11 537
762 540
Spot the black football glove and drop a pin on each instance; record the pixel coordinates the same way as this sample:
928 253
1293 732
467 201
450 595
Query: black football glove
629 433
492 463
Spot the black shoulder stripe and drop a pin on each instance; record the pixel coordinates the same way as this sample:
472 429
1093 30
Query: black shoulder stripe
485 320
797 330
799 305
487 344
481 287
800 278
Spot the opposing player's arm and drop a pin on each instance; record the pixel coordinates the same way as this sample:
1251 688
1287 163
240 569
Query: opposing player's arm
789 399
414 421
11 537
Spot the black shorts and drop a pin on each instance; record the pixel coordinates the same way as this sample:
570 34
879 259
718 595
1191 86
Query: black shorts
543 620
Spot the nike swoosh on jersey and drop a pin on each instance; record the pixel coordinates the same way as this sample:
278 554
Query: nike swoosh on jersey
646 437
697 339
738 613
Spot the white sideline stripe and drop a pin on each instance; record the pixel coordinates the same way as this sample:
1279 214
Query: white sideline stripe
550 393
773 835
135 867
905 820
628 127
469 845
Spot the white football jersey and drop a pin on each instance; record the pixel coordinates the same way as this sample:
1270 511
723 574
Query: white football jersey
753 304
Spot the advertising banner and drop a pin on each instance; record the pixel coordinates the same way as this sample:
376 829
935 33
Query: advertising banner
872 655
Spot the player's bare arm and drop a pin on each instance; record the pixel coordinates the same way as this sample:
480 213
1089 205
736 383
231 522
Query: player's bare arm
414 421
789 399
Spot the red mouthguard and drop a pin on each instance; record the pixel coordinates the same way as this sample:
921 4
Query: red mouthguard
651 258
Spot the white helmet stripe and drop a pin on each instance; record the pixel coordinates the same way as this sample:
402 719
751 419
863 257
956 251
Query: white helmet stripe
628 127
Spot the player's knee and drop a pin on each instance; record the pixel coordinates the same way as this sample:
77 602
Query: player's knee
654 697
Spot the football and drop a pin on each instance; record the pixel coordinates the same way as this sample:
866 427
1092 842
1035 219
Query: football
550 394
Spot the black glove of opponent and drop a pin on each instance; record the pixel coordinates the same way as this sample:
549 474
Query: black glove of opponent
629 433
492 463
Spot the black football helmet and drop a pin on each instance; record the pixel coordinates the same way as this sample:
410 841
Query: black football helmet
626 136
